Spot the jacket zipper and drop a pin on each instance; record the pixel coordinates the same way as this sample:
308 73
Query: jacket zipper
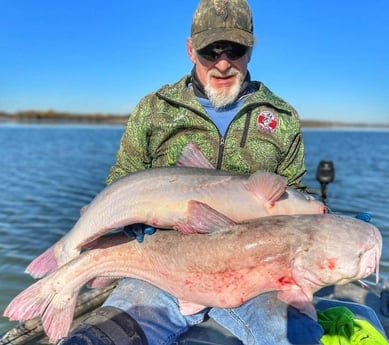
221 151
245 129
222 138
242 140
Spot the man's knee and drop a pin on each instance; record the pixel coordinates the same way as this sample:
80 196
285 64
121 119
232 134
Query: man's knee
107 326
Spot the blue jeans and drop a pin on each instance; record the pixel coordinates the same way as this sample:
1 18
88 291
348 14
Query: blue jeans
262 320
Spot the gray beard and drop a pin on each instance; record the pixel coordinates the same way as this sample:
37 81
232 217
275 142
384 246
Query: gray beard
220 99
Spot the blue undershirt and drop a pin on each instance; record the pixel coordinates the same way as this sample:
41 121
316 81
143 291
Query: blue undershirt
222 117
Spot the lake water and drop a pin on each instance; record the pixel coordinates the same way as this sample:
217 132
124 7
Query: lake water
48 172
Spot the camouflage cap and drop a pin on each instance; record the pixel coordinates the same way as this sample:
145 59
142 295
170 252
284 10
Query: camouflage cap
222 20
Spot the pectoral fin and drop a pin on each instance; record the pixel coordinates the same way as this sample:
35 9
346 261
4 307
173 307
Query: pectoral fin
299 300
267 186
203 219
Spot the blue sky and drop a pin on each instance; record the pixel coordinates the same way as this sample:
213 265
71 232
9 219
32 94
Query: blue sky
329 59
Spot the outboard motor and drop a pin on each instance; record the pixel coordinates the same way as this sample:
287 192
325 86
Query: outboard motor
325 174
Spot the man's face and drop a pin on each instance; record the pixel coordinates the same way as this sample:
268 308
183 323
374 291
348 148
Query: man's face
221 68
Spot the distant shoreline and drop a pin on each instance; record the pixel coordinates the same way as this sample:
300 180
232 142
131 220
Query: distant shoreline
52 117
47 117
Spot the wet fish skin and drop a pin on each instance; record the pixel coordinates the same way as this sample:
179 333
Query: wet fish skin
296 255
160 197
193 157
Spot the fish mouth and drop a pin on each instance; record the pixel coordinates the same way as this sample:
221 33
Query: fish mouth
370 260
367 265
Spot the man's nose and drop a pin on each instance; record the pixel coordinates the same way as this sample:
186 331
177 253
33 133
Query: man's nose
223 63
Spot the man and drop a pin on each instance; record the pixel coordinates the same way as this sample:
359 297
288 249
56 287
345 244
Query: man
241 126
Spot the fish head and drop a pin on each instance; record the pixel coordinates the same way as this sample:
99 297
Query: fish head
344 250
296 202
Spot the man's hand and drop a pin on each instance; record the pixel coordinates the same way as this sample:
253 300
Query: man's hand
138 231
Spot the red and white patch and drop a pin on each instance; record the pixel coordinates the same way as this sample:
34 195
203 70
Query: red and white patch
267 122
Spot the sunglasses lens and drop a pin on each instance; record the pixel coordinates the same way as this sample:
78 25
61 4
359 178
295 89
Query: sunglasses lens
213 52
208 54
236 52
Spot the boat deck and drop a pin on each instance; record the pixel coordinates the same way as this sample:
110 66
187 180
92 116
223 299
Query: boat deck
374 296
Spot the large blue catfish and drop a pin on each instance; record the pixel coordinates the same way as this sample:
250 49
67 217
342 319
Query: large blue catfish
160 197
296 255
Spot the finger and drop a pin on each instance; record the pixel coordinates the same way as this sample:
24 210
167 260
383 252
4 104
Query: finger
149 230
140 237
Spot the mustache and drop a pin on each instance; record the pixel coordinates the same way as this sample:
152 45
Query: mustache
232 72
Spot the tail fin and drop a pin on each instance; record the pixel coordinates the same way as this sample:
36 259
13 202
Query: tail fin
56 310
25 305
58 317
43 264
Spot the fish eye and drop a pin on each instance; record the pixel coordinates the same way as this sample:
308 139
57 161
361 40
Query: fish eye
309 197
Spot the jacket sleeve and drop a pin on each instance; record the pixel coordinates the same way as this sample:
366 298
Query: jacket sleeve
133 154
293 164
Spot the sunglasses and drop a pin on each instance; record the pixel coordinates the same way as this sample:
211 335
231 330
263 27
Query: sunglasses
233 51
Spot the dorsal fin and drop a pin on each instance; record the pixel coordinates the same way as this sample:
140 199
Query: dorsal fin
191 156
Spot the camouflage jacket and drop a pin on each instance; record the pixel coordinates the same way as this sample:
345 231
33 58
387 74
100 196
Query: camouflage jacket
265 134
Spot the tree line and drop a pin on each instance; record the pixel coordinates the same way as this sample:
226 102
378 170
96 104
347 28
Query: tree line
55 116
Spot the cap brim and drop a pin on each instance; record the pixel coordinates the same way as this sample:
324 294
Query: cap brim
207 37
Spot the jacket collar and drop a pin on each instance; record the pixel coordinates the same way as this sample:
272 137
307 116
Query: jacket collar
182 93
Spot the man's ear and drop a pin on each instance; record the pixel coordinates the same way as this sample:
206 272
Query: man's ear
191 52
